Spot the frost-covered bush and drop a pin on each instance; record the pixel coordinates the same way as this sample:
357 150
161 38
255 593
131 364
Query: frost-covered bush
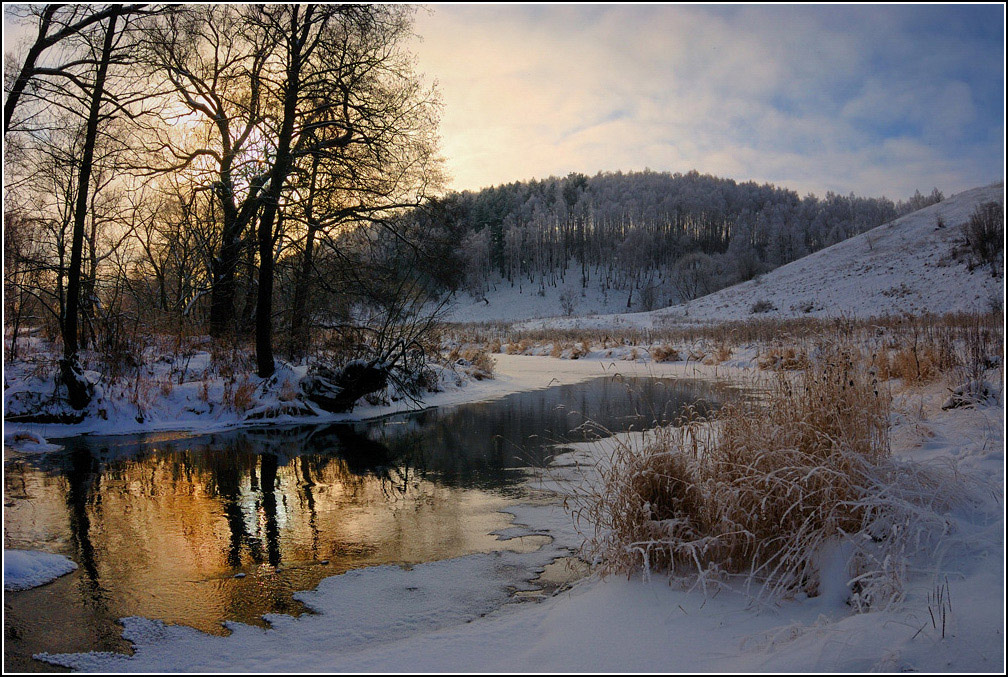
769 490
568 301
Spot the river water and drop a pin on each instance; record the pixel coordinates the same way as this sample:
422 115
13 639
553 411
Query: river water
199 529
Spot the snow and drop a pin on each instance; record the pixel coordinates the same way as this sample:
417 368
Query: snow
183 409
24 569
455 615
508 303
460 615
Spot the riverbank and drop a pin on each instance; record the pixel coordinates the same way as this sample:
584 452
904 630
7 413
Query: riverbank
635 625
513 374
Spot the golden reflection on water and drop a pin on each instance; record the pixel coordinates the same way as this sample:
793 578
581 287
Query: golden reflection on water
164 536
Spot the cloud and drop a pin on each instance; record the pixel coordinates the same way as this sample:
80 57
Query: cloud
871 100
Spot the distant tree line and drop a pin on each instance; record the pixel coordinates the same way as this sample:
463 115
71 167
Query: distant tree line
657 236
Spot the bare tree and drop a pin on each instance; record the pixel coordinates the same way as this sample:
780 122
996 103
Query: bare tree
366 153
78 88
78 388
692 275
345 98
213 59
56 24
984 234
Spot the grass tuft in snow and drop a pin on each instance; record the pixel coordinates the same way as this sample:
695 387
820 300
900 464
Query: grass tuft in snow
774 490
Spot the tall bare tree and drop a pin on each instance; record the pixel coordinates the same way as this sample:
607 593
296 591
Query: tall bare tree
213 59
78 388
364 138
56 24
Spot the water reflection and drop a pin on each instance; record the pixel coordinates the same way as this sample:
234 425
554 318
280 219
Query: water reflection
161 524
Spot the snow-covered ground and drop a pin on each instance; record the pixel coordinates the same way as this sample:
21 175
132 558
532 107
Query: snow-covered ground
508 303
452 616
23 569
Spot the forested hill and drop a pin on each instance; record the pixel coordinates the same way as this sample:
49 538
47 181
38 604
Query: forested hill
651 238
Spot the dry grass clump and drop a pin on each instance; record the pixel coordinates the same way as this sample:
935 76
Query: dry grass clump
914 365
782 359
478 359
518 348
696 354
717 355
238 394
665 353
231 361
482 362
767 490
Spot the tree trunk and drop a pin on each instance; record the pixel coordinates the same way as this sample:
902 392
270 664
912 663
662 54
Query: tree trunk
298 328
298 331
271 201
264 298
223 271
78 390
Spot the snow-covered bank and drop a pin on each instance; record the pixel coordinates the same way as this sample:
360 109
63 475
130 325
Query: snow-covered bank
515 373
430 618
23 569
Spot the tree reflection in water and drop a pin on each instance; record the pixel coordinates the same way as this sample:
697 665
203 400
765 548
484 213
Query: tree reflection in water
160 524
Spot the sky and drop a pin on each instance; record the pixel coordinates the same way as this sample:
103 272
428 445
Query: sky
875 100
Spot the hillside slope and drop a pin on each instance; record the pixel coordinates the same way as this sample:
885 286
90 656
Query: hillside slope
506 303
906 265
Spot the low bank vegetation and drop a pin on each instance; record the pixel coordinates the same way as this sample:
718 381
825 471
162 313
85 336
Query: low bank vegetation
779 490
916 349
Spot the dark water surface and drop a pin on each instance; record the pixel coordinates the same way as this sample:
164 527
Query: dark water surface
165 525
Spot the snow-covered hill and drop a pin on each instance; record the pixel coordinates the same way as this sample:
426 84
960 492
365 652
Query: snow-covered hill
509 303
906 265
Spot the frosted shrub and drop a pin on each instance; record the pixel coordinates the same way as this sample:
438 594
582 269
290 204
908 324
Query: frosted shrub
766 488
568 301
483 364
665 353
